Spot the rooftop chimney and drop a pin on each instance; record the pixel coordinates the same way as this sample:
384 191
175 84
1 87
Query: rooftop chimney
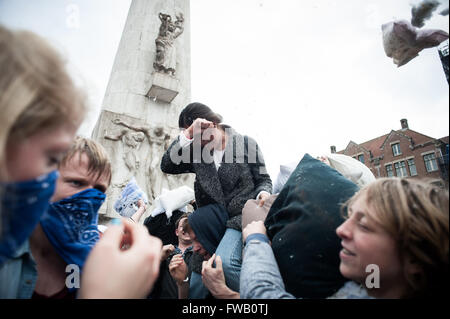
404 123
333 149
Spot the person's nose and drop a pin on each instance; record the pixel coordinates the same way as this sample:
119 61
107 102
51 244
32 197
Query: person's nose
345 230
196 247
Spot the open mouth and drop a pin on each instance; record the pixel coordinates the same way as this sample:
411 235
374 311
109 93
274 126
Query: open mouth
347 252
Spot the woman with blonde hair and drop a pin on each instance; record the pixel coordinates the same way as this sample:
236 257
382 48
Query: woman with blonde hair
40 106
41 110
401 226
395 244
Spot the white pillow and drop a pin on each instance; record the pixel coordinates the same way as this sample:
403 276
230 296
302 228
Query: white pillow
351 168
402 41
285 171
174 199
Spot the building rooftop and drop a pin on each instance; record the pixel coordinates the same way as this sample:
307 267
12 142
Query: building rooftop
375 146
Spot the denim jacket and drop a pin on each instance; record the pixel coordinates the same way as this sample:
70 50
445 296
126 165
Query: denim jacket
18 275
261 279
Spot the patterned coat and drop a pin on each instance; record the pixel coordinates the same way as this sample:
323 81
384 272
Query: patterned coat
241 176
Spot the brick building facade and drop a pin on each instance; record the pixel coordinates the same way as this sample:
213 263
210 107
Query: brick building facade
402 153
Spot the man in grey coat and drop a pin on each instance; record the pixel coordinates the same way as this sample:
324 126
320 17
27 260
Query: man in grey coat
229 170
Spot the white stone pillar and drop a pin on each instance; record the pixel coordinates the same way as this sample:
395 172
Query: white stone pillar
134 128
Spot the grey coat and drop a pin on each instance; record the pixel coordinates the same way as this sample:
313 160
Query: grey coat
241 176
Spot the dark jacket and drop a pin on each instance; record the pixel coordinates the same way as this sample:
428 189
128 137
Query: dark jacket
165 286
241 176
163 228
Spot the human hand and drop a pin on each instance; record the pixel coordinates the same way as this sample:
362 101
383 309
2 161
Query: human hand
141 203
255 227
166 251
197 127
262 198
324 159
214 278
111 272
178 269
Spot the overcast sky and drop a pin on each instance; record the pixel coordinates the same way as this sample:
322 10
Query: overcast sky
298 76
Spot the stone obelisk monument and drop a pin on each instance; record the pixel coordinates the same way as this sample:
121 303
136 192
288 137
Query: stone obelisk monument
148 87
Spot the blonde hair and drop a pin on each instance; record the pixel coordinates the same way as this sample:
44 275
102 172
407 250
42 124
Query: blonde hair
99 162
415 213
36 91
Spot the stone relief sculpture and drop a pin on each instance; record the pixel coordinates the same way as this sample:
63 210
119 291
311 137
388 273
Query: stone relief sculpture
131 144
165 61
157 137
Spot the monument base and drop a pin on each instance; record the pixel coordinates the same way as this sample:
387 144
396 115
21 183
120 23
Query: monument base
164 88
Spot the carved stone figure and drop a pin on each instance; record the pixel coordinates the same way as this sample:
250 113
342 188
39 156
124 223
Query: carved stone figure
165 61
157 138
131 143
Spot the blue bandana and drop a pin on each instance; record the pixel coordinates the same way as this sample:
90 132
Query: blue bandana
21 207
71 225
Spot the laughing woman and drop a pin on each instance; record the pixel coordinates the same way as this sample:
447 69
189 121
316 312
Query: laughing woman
395 244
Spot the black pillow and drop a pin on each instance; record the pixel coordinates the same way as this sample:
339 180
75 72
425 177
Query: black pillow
302 226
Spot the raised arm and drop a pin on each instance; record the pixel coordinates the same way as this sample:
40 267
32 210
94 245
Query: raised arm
115 137
177 159
143 129
141 210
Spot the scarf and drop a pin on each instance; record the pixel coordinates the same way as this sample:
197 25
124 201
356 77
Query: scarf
71 225
21 207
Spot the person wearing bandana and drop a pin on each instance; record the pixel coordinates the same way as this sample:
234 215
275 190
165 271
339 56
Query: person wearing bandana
41 110
68 229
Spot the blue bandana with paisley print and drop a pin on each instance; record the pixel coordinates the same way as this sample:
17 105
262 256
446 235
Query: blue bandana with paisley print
71 225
